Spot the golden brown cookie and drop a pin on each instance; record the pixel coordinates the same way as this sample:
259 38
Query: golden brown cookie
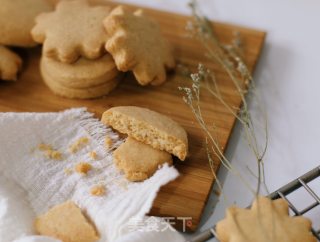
17 20
74 29
137 45
84 73
149 127
266 221
79 93
67 223
10 64
139 161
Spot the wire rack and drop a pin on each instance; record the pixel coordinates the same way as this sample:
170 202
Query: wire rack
283 192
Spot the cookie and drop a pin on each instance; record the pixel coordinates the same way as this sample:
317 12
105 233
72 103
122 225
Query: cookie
66 223
17 19
79 93
10 64
265 221
74 29
149 127
83 73
139 161
137 45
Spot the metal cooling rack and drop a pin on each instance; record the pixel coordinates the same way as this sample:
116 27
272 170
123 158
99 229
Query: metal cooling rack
283 192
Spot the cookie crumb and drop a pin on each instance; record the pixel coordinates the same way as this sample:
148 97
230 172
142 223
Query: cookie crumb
50 152
98 190
93 155
83 168
54 154
80 143
108 142
67 171
44 147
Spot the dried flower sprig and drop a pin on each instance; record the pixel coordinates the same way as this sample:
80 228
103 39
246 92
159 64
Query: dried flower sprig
229 58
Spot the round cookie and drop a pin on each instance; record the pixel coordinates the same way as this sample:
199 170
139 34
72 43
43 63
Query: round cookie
149 127
10 64
17 19
79 93
83 73
138 160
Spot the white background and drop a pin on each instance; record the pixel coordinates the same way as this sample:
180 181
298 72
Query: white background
288 80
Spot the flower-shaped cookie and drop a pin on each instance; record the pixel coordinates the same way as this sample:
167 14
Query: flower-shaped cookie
137 45
10 64
74 29
17 20
266 221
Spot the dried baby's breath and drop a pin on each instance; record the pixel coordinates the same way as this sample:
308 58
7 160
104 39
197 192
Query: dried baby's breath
229 57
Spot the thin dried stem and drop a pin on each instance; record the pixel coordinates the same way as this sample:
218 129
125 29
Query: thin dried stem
229 58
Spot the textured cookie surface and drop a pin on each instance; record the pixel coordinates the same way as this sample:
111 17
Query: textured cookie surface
53 83
10 64
74 29
266 221
84 73
67 223
138 160
149 127
137 45
17 19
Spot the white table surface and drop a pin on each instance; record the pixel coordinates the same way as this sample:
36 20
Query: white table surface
288 78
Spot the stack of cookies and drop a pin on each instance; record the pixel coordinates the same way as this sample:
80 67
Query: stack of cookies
152 138
74 62
86 48
16 22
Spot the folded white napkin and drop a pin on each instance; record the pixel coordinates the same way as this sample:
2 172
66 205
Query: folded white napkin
31 183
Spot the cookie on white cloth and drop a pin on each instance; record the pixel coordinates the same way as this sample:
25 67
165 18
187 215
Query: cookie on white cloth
67 223
139 161
149 127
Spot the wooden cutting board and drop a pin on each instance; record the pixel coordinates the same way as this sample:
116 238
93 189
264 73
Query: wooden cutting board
186 196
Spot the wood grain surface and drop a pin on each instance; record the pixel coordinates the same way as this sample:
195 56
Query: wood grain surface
186 196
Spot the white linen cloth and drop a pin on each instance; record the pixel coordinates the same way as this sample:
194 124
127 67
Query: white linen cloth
31 183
